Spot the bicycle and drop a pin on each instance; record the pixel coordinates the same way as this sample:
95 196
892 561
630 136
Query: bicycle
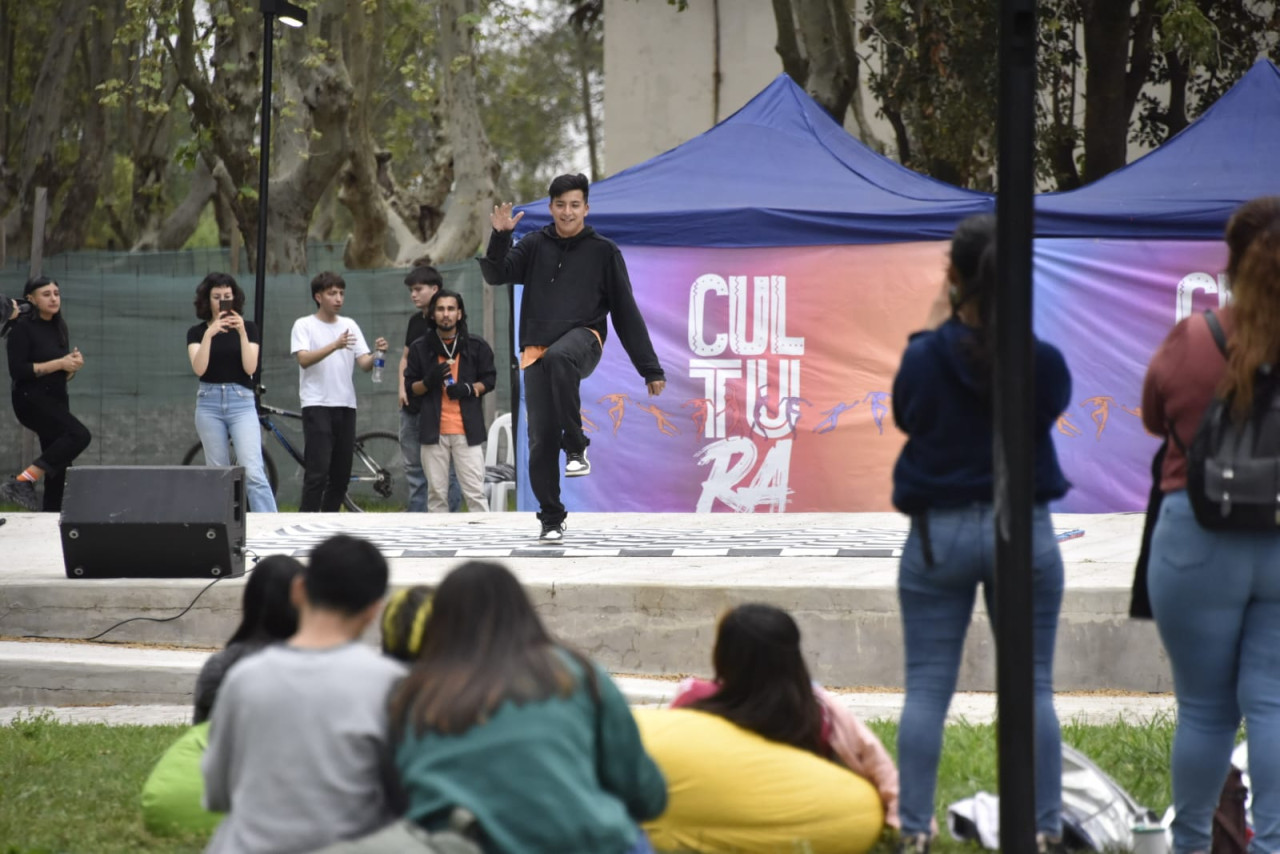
375 484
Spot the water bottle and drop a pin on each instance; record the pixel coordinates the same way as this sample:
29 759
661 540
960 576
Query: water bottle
379 362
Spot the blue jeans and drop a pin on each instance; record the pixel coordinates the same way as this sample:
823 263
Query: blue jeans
414 475
1216 599
936 599
227 411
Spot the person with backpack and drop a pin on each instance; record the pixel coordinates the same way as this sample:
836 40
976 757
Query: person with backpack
1214 574
943 480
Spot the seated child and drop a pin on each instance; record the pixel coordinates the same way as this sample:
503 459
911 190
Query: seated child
404 622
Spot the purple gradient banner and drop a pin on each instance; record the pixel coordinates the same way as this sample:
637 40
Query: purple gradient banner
780 363
1108 304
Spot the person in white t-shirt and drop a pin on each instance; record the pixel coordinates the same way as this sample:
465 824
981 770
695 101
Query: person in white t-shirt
327 347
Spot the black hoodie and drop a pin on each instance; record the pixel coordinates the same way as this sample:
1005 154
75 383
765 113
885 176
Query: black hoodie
946 413
571 282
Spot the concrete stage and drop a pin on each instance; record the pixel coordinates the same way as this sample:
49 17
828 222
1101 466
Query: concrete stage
639 592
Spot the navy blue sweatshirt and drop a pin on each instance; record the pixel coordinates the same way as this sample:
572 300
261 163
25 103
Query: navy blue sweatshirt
938 403
571 282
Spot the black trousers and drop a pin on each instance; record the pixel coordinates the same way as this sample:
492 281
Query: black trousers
553 404
330 436
62 438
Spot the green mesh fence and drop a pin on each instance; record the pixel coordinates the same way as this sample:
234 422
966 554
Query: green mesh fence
129 314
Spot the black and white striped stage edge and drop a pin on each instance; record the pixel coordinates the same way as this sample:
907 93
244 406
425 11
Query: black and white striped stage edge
407 541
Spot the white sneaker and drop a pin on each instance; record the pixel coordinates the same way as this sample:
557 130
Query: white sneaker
577 465
552 533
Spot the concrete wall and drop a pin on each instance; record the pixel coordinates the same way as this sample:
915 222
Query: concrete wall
659 63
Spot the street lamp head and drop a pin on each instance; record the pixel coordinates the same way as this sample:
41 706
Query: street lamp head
285 12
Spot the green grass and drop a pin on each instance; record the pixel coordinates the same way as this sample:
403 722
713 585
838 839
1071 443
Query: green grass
73 789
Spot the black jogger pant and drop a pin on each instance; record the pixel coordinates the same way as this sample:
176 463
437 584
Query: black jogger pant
62 437
553 405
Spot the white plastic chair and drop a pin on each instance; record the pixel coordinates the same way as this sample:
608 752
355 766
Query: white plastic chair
498 431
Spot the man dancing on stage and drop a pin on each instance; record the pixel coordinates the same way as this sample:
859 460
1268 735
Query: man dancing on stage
573 280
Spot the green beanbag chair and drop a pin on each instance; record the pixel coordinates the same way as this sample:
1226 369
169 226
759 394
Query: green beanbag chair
173 796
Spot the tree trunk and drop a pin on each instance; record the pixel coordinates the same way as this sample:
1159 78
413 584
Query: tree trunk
815 41
588 113
72 226
358 180
475 167
177 228
1175 119
1106 117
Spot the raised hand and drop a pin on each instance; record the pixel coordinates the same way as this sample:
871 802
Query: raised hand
501 218
343 340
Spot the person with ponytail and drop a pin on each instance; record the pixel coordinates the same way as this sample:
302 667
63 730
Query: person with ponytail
1215 594
41 363
943 480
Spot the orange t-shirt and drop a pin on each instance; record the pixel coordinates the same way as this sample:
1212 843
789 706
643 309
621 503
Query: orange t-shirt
532 353
450 411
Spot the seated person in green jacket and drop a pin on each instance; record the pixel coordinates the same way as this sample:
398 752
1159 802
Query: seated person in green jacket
533 739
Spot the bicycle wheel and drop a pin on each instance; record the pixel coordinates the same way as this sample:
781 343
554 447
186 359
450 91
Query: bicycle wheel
377 475
195 457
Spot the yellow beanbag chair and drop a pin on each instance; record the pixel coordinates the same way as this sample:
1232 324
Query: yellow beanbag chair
173 796
730 790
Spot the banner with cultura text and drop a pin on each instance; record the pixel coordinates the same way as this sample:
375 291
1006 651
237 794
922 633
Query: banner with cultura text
780 365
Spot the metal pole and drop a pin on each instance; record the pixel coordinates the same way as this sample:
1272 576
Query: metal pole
1014 441
264 176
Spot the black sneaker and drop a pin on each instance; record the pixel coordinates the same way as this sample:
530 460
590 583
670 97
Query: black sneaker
576 465
552 533
20 492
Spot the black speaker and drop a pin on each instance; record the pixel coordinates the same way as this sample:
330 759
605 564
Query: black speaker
153 522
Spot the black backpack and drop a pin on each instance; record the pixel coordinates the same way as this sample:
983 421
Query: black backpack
1233 468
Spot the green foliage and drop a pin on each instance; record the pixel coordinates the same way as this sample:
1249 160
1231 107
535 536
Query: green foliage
531 100
935 77
75 788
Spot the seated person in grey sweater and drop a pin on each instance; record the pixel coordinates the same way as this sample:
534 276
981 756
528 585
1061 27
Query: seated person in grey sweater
268 617
298 753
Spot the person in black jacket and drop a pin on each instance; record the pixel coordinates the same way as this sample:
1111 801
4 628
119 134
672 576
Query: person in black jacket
573 279
41 363
451 369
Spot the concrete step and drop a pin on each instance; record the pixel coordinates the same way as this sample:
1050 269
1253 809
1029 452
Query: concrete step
631 611
82 674
111 683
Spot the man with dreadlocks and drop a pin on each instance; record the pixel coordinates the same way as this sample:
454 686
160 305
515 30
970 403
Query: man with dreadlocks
450 369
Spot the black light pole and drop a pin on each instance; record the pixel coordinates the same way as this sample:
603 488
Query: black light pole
293 16
1014 445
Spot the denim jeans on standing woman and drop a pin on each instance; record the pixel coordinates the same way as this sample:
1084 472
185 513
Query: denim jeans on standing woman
936 597
1216 599
226 411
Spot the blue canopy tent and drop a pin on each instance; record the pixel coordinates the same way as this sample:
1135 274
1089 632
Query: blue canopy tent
1188 187
779 172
